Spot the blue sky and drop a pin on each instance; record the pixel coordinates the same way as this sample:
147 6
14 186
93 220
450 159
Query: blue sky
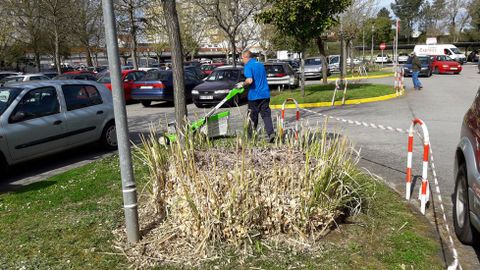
385 3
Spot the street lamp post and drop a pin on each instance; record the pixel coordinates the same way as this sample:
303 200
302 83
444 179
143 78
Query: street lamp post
363 38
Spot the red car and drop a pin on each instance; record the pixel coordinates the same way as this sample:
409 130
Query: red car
444 64
129 78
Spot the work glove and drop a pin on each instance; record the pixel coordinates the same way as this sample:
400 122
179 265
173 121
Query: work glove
239 85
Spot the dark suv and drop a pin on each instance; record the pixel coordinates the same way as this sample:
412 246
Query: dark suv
466 199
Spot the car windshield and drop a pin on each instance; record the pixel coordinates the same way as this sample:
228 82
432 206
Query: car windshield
455 50
7 96
155 75
13 79
224 75
424 60
313 62
274 69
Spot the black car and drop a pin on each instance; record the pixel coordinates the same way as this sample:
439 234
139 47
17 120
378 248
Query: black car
217 85
82 76
197 70
426 62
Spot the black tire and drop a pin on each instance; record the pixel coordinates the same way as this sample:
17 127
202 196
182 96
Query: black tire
461 210
109 137
146 103
437 71
3 165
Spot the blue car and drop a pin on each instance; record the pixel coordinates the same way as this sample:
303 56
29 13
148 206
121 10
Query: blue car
157 85
426 66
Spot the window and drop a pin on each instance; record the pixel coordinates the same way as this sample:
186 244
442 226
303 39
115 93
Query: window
36 103
224 75
38 78
130 76
81 96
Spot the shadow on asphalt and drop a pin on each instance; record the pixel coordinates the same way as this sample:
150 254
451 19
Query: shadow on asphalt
42 168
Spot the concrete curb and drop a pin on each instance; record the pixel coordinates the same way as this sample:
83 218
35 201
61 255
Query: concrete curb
364 77
347 102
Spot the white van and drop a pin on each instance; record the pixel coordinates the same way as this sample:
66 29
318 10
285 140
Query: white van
441 49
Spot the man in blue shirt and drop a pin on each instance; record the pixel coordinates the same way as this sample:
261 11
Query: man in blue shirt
258 94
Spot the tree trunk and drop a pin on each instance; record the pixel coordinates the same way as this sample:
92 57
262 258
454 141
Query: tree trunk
133 33
89 56
173 28
37 61
58 62
234 51
323 56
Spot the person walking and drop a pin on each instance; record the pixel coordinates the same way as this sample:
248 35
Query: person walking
258 95
416 67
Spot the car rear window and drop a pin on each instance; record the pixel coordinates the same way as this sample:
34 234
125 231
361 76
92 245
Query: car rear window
274 69
155 75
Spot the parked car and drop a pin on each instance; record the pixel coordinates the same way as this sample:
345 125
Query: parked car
129 78
334 63
383 58
281 74
23 78
444 64
4 74
196 70
157 85
466 197
217 85
74 76
402 58
426 70
473 56
207 69
295 64
42 118
50 74
313 68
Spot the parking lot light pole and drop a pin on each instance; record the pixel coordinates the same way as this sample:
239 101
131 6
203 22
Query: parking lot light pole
126 170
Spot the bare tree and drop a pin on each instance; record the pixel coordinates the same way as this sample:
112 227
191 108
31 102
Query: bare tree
57 15
29 25
230 15
88 25
458 17
131 20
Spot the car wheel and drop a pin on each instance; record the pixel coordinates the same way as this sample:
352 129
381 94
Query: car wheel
109 137
429 74
437 71
3 165
461 217
146 103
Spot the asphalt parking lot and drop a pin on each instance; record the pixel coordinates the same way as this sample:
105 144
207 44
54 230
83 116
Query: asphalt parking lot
441 104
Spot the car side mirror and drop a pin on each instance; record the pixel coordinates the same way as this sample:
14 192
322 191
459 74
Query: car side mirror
18 116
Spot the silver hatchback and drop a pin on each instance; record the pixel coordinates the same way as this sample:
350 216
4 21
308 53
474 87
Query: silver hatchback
42 118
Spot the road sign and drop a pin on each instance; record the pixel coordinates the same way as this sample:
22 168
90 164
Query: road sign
383 46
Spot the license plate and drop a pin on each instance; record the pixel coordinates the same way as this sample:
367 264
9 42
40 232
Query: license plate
206 97
146 87
453 68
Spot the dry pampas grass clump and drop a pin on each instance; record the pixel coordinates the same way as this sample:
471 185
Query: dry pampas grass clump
204 200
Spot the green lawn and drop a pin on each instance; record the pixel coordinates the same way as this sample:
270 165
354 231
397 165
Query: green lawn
373 73
66 222
324 93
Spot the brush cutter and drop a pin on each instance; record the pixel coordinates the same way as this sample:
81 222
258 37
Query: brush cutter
210 117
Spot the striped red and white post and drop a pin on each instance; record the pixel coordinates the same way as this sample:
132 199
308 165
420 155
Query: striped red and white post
297 117
337 88
424 192
398 85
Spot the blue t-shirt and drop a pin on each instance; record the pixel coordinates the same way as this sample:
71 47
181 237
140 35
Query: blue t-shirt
259 88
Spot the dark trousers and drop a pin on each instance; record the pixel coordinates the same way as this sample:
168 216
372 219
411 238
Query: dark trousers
261 106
